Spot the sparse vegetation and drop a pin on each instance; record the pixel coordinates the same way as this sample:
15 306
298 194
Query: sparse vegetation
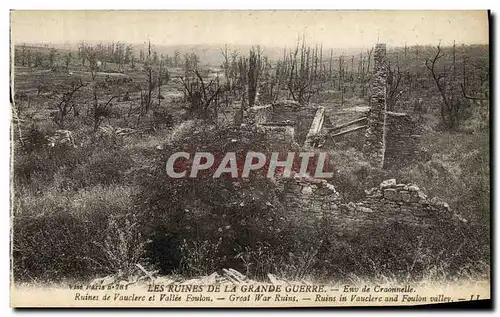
105 205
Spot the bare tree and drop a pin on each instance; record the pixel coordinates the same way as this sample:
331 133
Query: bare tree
302 83
226 65
52 57
163 78
201 96
473 94
38 59
67 60
91 54
151 82
66 104
230 67
100 111
450 102
341 82
254 66
394 77
366 72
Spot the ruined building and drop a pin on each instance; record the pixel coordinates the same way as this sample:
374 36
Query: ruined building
391 140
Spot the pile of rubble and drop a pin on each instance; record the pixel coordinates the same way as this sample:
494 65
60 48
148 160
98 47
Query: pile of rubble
226 276
389 189
403 198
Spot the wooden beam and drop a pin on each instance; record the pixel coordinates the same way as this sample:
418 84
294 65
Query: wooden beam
347 124
315 128
278 124
347 131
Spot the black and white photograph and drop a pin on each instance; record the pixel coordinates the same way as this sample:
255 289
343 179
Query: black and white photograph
258 158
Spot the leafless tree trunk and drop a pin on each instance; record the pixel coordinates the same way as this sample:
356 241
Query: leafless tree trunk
450 104
341 78
254 65
201 96
393 82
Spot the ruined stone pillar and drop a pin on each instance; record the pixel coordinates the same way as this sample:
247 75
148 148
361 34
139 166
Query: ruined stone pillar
374 146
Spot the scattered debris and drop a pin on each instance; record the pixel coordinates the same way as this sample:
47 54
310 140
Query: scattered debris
148 274
273 279
234 276
61 137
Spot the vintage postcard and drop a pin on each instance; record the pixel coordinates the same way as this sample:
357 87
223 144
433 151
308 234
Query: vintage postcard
250 158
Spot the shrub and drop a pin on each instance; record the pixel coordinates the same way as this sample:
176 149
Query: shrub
123 246
458 172
245 211
102 162
353 174
291 264
412 256
200 257
58 235
105 166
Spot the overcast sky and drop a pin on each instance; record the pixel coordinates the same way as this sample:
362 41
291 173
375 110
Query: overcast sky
347 29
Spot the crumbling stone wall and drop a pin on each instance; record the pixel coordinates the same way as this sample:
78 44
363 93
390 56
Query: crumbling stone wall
280 132
313 198
402 140
389 203
285 117
258 114
374 146
391 138
301 116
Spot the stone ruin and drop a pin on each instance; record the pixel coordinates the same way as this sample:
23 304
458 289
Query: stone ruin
288 121
391 138
389 203
375 137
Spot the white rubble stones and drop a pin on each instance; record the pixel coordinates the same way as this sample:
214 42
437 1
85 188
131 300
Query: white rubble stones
413 188
351 206
211 279
307 190
405 196
364 209
331 187
61 138
391 194
408 194
391 190
388 183
421 196
438 202
309 185
234 276
273 279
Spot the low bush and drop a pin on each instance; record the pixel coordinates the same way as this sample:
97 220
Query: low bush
406 253
74 234
242 212
353 174
458 172
101 162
